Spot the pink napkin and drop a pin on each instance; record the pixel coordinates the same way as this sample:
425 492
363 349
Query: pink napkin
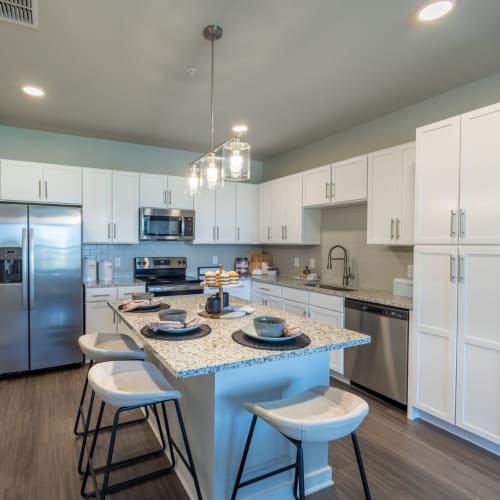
174 325
132 305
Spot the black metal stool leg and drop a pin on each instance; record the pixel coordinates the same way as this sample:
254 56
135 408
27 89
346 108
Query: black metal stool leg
169 436
109 461
244 457
188 449
160 429
361 467
91 455
296 478
300 465
76 432
85 433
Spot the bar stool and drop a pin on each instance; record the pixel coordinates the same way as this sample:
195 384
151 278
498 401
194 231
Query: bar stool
129 385
318 414
99 347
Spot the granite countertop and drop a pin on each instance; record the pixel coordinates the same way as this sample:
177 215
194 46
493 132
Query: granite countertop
115 282
366 294
217 351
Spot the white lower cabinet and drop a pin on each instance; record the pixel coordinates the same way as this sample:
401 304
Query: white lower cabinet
294 307
457 336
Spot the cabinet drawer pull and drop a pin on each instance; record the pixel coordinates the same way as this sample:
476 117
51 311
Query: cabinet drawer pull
453 223
266 289
102 295
392 229
462 223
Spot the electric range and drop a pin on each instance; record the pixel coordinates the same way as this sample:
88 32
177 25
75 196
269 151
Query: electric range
166 276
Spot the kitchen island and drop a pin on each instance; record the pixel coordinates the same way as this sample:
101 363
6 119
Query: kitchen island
217 376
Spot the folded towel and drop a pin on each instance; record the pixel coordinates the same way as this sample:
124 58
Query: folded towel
132 305
292 331
174 325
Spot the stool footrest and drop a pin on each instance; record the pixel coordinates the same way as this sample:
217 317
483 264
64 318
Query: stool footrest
267 474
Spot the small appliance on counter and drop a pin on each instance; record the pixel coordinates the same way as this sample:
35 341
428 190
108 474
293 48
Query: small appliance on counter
89 270
105 270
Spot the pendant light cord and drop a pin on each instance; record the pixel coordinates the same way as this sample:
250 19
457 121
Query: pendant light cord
212 96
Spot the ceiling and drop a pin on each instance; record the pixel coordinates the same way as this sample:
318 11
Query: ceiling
294 71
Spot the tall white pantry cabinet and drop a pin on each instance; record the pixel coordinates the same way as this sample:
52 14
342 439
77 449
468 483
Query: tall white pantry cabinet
457 272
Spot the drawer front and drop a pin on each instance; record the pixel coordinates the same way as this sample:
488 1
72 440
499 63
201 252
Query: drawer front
100 294
125 292
330 302
295 295
267 289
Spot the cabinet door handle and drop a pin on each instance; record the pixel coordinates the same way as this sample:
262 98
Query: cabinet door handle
397 228
114 317
462 223
213 233
39 189
326 190
268 232
217 233
169 197
114 230
46 191
333 191
109 230
164 196
238 235
453 222
453 276
286 232
392 229
461 269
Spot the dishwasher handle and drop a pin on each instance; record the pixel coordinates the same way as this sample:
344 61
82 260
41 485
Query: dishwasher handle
369 307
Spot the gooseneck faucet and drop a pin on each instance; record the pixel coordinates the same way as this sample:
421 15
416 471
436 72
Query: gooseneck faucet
347 270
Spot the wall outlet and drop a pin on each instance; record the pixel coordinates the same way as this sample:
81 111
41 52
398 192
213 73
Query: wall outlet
312 263
215 260
410 271
118 262
296 262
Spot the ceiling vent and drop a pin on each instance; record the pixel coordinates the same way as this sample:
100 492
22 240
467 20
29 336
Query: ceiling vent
23 12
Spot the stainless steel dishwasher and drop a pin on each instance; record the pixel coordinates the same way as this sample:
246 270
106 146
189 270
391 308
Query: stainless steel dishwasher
382 365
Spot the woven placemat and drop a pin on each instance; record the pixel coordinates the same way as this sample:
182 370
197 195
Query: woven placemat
200 332
160 307
294 343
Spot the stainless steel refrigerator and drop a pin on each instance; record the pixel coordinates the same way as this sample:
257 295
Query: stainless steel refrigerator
41 298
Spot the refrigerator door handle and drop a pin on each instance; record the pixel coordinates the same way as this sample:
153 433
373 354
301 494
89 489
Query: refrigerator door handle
32 268
24 271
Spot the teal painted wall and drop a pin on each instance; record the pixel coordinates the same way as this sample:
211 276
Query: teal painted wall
49 147
389 130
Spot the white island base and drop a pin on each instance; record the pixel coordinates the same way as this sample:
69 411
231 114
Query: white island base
217 425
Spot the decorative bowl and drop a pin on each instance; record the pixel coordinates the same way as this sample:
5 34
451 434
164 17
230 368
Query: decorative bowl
269 326
172 315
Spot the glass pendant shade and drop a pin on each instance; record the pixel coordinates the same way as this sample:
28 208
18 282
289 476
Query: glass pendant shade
193 178
236 156
212 171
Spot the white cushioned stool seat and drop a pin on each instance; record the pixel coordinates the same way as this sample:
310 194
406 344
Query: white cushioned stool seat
130 383
319 414
110 346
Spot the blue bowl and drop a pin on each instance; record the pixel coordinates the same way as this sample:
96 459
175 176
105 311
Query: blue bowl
269 326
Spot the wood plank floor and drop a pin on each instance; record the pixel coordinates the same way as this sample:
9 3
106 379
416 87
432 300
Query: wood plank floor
403 459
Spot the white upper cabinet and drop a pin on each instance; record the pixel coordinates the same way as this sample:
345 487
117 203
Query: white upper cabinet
40 183
264 211
457 178
161 191
204 219
282 218
391 181
225 213
480 176
437 182
339 183
246 213
110 206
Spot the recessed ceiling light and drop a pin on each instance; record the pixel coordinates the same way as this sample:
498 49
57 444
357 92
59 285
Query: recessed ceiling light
33 91
435 10
240 129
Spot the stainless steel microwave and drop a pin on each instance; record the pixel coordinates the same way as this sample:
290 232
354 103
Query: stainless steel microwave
166 224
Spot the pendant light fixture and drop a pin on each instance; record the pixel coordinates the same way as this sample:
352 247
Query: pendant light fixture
227 161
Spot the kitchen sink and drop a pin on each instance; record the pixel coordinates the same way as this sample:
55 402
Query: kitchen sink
336 288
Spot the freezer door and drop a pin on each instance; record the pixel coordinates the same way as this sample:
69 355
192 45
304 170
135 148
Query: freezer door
13 316
55 294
